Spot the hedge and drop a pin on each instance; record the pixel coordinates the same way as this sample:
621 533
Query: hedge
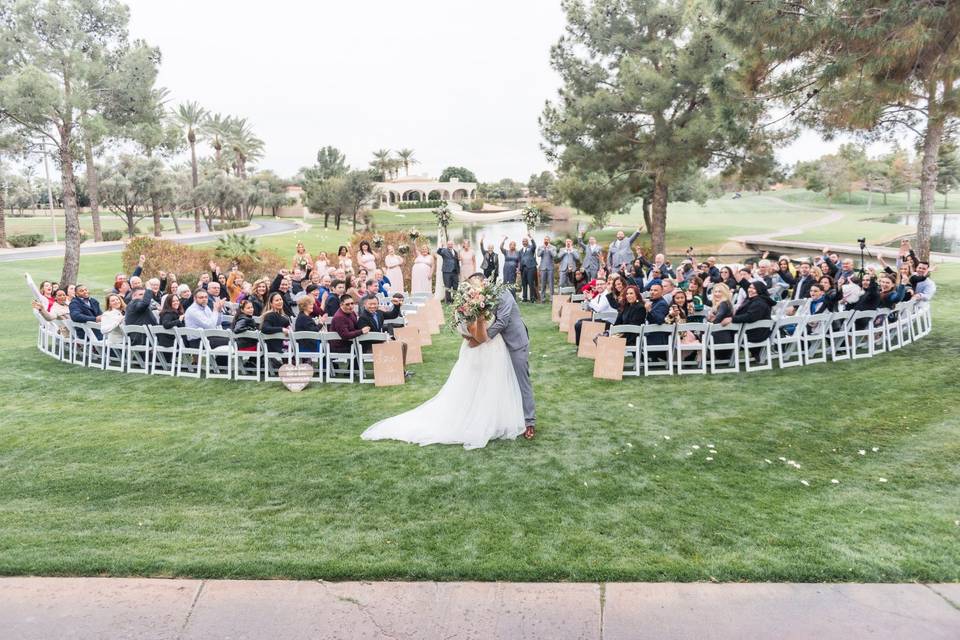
25 240
188 262
112 235
422 204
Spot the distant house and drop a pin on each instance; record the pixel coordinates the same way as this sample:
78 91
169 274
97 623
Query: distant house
420 188
296 207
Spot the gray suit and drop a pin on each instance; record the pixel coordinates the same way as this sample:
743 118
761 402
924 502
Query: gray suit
591 258
621 252
509 325
569 260
546 254
528 270
450 270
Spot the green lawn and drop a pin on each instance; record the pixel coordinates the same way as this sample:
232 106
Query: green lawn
41 224
116 474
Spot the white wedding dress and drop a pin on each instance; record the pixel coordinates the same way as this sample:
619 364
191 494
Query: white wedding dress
479 402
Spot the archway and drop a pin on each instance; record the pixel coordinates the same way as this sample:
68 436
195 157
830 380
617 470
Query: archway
434 195
459 194
411 196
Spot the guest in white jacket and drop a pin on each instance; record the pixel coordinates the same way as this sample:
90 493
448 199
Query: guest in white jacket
111 322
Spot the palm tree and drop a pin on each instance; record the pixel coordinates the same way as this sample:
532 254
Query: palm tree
215 128
243 147
381 162
406 157
191 116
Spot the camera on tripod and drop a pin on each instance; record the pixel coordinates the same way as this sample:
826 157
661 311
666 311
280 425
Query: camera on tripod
863 243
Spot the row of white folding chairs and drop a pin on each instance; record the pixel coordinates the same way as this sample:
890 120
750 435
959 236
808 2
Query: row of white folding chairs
789 340
213 353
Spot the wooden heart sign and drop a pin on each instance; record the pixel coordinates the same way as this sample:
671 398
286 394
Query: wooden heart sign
296 376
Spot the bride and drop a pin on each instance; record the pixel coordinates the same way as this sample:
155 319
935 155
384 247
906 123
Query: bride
479 402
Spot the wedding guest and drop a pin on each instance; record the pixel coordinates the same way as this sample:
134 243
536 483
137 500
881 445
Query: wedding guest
139 313
57 312
44 294
281 284
332 304
830 295
890 292
394 264
468 260
621 250
490 265
275 321
244 323
546 255
580 280
632 312
592 256
759 306
235 283
528 270
421 275
301 258
366 258
202 314
450 267
112 320
304 322
185 294
344 323
924 288
343 259
171 317
83 308
511 261
818 301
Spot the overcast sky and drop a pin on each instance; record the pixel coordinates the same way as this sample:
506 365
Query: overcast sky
460 82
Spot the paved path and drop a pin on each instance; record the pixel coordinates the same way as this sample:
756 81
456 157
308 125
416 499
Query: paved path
259 228
83 608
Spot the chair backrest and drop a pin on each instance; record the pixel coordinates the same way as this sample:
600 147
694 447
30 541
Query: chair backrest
866 314
605 316
576 297
396 322
373 336
184 334
157 330
567 290
843 317
652 329
410 308
229 336
296 336
89 329
137 329
758 324
696 327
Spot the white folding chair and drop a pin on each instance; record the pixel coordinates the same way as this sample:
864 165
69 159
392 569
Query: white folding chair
395 322
220 358
698 363
662 363
189 356
163 356
314 357
837 335
346 358
723 350
138 352
75 351
905 321
367 357
786 308
564 291
280 355
815 331
248 363
96 350
632 362
788 340
763 347
862 344
605 316
577 297
923 320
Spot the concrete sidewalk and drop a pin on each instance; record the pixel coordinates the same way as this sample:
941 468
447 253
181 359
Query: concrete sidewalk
83 608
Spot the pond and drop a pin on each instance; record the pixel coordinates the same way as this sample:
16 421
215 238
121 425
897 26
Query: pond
944 230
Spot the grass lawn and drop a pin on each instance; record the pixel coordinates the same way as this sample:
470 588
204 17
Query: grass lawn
108 221
117 474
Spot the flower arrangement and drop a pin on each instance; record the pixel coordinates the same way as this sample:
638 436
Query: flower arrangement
531 217
444 216
403 249
377 240
473 301
414 234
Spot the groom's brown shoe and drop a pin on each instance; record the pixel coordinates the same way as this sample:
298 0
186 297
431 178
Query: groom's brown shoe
530 432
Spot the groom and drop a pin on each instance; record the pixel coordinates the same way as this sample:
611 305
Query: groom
509 325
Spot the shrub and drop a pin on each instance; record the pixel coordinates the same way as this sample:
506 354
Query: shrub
224 226
188 262
422 204
112 235
25 240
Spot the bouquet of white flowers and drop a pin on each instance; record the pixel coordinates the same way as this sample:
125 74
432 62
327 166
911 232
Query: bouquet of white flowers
413 233
377 240
443 216
403 249
531 217
475 301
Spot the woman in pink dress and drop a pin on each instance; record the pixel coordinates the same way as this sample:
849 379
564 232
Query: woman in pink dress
468 261
394 273
366 258
422 272
322 265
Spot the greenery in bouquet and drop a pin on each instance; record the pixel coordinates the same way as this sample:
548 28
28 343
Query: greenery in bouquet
473 301
403 249
444 216
531 217
377 240
414 234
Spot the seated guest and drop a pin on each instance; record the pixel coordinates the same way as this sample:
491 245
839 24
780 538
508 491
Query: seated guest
890 292
344 323
275 320
313 292
372 318
201 315
802 283
121 278
632 311
695 295
818 300
721 313
244 323
282 284
830 295
138 311
597 302
58 312
213 293
44 293
759 306
171 317
923 285
83 308
305 322
258 296
112 320
727 278
657 307
396 307
371 290
337 291
579 280
869 300
185 294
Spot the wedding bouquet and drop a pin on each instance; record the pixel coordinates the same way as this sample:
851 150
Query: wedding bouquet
475 301
531 217
443 216
403 249
377 240
413 233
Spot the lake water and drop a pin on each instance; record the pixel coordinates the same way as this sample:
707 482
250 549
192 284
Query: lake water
944 230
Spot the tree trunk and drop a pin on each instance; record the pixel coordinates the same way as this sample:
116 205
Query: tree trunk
176 223
131 225
71 222
157 226
3 220
945 199
93 188
645 207
193 175
928 175
658 231
869 195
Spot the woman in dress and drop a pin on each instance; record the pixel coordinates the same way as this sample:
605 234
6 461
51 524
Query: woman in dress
58 311
366 258
301 259
343 259
468 260
421 275
511 261
394 273
463 411
111 322
322 265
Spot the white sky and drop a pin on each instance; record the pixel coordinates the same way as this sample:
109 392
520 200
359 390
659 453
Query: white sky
460 82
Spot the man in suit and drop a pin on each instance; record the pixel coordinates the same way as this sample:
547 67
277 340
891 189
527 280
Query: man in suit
138 311
83 308
450 269
569 262
620 250
805 280
546 254
509 325
657 310
591 257
528 269
371 318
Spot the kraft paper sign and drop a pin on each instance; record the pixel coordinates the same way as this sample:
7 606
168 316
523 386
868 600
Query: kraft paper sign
565 311
436 312
410 336
576 314
588 331
387 364
608 363
295 376
557 305
421 321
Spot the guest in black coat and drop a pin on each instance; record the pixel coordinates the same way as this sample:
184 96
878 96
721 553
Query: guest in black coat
631 312
305 322
83 308
830 296
138 312
759 306
244 323
275 321
372 317
171 317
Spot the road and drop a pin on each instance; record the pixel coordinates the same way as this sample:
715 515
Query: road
264 228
